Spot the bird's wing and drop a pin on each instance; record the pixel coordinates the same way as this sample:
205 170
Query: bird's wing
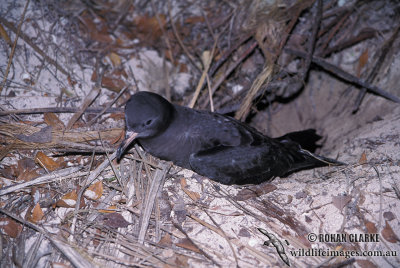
235 165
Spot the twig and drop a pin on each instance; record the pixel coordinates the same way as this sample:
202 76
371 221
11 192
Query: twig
207 58
312 39
333 30
107 107
17 34
232 67
86 102
156 185
263 77
177 226
35 47
61 110
381 57
66 173
69 251
344 75
175 31
363 35
224 236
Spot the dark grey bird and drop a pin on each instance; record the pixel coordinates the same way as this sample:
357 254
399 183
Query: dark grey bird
214 145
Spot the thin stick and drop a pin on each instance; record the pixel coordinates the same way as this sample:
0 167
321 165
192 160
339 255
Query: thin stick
14 46
344 75
206 63
34 46
61 110
107 107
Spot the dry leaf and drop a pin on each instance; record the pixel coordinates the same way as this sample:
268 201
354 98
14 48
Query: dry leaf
52 119
194 20
389 234
254 191
363 159
28 175
166 241
71 82
118 138
5 36
148 27
341 201
36 214
114 220
115 59
46 162
113 83
182 261
69 200
96 28
110 209
94 191
187 244
10 227
362 61
193 195
371 227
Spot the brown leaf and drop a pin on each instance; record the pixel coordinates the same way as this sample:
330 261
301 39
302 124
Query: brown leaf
389 234
46 162
182 261
148 27
94 191
118 138
114 58
52 119
10 227
254 191
371 227
69 200
5 36
193 195
194 20
28 175
71 82
166 241
187 244
113 83
362 61
341 201
110 209
114 220
35 214
363 159
96 28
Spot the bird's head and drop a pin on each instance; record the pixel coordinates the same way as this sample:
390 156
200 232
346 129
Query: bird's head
146 115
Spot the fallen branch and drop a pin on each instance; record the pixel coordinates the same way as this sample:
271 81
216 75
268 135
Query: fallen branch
344 75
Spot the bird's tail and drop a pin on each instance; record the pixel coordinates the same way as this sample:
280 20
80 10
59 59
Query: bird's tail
304 159
300 158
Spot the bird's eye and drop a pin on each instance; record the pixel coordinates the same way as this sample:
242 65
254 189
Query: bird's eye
148 122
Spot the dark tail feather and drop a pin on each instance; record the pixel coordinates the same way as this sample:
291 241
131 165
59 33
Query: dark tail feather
298 145
307 139
307 160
